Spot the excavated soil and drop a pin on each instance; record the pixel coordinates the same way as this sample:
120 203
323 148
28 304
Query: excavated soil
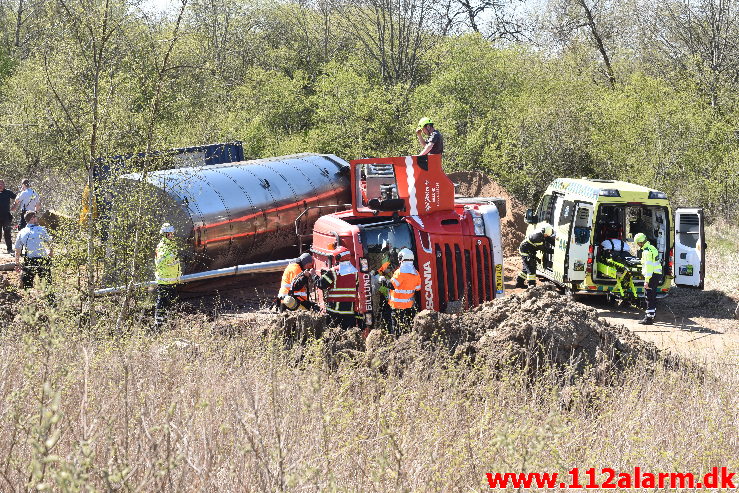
536 329
477 184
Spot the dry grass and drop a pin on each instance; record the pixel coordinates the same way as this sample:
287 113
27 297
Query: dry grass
195 411
216 414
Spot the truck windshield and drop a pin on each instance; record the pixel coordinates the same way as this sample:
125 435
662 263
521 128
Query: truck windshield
383 242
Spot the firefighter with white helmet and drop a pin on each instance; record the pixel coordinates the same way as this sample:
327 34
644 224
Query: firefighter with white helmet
167 270
296 280
528 248
339 285
430 138
403 286
651 269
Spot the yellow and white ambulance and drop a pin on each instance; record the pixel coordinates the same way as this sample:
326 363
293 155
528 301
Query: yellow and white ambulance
590 215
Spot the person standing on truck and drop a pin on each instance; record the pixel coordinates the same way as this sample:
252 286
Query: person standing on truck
167 270
651 269
296 278
528 248
434 144
403 286
339 286
28 200
6 218
32 243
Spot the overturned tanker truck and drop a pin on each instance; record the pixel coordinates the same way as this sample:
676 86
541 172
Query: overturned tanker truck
228 215
255 216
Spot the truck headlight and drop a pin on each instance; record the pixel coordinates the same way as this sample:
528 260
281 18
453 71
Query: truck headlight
478 222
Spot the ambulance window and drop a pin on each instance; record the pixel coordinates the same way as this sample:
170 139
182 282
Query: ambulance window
568 209
690 230
582 226
543 207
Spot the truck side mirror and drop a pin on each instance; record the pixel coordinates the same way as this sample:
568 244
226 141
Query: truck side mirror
531 217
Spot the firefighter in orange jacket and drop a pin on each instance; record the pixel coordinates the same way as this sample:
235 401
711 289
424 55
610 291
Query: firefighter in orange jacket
403 286
339 286
296 278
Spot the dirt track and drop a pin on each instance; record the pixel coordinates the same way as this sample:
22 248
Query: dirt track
695 324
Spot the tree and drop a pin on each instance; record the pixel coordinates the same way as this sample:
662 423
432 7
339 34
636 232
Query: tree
391 33
573 18
699 38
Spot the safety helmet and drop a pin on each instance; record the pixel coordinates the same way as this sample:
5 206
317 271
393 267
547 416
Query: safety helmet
290 302
424 121
305 259
640 238
166 228
546 229
342 253
405 254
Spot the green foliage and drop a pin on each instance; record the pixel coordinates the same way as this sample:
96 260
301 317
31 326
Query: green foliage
354 117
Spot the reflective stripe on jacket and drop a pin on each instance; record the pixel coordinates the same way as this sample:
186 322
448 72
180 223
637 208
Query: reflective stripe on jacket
405 285
650 264
167 268
342 287
292 271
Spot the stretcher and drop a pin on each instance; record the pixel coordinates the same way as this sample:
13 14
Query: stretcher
624 268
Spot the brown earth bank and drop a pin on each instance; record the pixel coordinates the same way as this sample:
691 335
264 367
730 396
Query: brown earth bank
513 225
534 331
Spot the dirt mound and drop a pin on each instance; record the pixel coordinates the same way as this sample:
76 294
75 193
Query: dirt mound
538 328
534 330
513 226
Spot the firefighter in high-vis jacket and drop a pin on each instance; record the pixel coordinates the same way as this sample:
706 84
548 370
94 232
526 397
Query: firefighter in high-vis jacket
528 248
403 286
651 269
382 279
296 280
167 270
339 285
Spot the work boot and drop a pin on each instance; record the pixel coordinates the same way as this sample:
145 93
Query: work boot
532 284
647 320
520 283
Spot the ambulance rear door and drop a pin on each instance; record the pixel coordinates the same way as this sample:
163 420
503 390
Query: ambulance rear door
578 242
690 248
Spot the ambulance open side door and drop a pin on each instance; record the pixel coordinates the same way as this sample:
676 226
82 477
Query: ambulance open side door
579 242
690 248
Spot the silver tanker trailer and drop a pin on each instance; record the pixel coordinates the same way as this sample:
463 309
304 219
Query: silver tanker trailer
226 215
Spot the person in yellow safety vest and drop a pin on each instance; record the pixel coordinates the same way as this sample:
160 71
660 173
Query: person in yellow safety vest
168 271
85 211
296 280
384 274
651 269
403 286
339 285
528 248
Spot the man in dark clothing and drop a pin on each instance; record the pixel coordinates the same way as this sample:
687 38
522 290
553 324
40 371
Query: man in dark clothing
339 285
6 218
434 144
528 248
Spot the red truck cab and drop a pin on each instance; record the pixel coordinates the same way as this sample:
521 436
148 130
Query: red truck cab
409 202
